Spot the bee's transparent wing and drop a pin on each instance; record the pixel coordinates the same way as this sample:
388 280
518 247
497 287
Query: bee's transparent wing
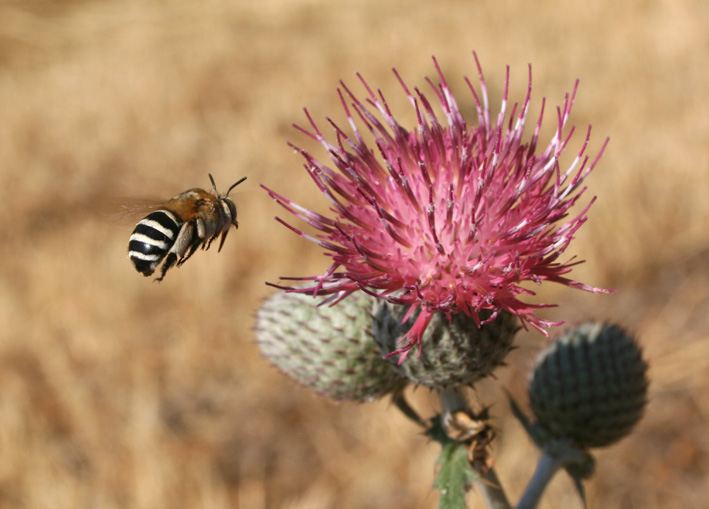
128 211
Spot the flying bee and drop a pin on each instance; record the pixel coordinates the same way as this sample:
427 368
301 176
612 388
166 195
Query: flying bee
179 227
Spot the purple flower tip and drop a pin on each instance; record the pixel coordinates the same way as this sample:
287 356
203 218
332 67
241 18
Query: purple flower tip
448 216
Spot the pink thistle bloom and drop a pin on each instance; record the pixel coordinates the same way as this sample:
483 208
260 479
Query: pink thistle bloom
450 218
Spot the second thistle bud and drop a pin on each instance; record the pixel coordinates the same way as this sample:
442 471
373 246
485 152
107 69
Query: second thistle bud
454 352
328 349
590 385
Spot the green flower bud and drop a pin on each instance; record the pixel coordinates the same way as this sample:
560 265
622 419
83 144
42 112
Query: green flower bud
453 352
590 385
328 349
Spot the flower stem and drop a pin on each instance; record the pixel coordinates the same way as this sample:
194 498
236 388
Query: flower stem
556 454
488 484
546 468
491 489
453 400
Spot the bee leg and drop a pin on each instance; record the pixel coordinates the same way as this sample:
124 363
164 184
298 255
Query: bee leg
192 243
183 242
170 260
207 233
208 244
221 243
195 245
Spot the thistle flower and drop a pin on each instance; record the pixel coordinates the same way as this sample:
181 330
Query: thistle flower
446 217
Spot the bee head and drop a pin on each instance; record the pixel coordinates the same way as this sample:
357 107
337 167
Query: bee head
225 198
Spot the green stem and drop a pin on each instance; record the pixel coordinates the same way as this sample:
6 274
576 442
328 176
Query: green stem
546 468
556 454
453 400
491 490
488 484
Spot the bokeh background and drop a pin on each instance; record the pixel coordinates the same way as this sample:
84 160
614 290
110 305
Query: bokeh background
118 392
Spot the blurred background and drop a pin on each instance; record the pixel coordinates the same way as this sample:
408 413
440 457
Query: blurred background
118 392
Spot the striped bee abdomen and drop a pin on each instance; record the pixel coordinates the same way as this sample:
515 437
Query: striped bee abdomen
152 239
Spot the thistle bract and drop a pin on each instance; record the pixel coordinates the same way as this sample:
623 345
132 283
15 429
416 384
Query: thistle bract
448 216
454 352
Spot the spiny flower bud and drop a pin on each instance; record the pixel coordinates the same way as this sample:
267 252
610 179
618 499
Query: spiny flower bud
454 352
590 385
328 349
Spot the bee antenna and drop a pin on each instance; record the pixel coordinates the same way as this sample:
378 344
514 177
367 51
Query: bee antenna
214 186
233 185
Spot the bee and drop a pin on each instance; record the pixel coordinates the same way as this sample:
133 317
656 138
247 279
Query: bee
179 227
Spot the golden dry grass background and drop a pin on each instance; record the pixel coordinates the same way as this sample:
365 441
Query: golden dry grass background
117 392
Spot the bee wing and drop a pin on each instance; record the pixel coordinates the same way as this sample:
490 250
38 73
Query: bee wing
128 211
